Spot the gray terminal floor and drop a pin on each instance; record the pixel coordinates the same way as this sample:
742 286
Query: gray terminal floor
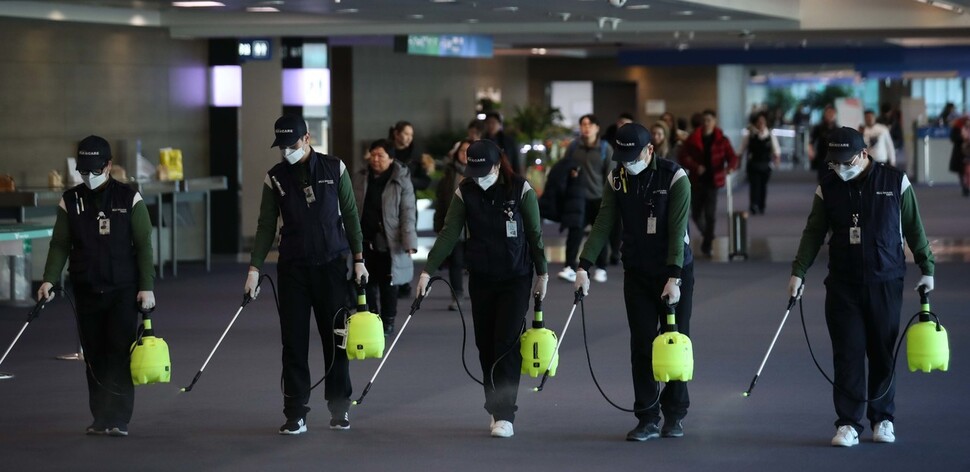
423 413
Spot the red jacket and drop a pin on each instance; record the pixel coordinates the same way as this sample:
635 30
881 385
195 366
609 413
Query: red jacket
722 156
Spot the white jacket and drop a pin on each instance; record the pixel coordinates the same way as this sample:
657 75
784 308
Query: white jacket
881 146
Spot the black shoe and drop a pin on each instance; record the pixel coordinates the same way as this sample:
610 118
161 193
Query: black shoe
340 421
388 326
645 430
404 291
672 429
293 426
96 428
119 430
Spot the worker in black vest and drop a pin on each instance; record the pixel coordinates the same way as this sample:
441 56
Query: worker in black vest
652 197
868 208
313 195
103 227
500 215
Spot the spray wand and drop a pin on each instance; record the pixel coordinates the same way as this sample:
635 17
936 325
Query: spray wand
578 298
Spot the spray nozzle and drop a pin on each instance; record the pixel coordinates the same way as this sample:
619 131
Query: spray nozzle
246 299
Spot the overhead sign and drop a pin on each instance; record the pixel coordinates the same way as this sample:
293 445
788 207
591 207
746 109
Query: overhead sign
445 45
255 49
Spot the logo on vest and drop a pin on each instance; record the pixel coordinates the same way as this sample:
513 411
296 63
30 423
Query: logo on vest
886 193
325 181
120 210
660 192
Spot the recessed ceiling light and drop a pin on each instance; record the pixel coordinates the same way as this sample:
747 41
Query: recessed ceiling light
348 10
684 12
724 17
262 9
416 16
638 7
508 9
197 4
443 1
471 20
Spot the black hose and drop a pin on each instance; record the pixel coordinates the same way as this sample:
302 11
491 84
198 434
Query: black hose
892 377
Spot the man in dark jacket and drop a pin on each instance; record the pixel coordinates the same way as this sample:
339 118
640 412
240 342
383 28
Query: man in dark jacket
867 210
495 132
708 157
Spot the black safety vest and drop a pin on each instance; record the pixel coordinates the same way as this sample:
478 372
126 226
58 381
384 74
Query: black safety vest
489 250
101 262
312 233
647 195
759 152
875 203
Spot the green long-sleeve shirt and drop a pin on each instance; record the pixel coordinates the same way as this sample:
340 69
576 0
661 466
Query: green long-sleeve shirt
817 227
269 213
455 224
678 210
141 233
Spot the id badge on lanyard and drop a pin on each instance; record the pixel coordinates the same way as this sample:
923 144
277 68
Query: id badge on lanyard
104 224
511 227
651 220
308 194
855 232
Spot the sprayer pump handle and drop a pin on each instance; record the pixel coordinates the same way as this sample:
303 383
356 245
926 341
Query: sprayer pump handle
538 301
144 312
924 298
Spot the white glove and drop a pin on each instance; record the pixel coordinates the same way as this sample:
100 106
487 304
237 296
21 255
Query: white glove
540 286
671 291
795 287
45 293
360 272
252 284
924 281
422 289
146 299
582 281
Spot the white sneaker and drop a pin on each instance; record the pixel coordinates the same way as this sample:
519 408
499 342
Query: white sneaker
884 432
568 274
502 429
845 436
600 275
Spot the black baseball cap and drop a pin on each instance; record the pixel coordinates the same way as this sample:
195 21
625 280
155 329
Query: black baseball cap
630 140
482 156
844 144
93 152
289 129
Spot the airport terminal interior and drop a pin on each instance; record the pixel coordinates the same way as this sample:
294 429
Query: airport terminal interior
187 96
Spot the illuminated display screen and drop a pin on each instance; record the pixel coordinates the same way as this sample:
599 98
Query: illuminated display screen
445 45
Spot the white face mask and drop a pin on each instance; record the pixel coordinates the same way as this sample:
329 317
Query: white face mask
94 181
487 181
849 173
635 167
292 155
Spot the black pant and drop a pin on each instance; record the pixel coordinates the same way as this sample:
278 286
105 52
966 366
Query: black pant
108 325
758 190
703 202
498 311
456 268
321 288
574 238
381 294
863 322
646 312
